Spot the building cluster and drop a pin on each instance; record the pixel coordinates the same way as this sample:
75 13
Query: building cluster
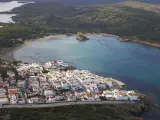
11 89
48 83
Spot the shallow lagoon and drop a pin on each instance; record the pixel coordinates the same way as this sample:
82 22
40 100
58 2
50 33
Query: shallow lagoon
7 7
6 18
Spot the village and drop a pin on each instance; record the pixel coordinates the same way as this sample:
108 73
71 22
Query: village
35 83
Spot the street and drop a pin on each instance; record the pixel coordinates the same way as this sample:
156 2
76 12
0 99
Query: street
64 104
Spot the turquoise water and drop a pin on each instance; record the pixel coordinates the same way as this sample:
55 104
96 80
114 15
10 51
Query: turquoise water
137 65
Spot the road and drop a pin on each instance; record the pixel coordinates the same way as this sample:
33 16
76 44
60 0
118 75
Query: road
65 104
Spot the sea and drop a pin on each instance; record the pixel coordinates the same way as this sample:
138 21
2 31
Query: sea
137 65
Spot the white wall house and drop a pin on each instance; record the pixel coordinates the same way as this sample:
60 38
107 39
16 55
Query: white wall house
49 93
132 95
11 74
121 97
4 101
51 100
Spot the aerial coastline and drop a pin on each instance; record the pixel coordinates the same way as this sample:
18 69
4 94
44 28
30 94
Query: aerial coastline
7 53
55 82
128 54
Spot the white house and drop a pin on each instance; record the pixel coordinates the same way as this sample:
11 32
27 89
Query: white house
47 65
121 97
13 99
21 101
65 85
49 93
21 83
3 90
11 74
4 101
42 78
132 95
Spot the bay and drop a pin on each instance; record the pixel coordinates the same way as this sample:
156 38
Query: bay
135 64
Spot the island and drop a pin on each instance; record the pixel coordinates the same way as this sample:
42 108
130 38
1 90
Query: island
82 37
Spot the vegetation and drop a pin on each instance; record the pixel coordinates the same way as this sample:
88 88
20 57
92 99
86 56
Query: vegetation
122 21
48 18
143 6
77 112
45 71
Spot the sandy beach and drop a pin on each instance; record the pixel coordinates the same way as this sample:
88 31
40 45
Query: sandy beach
7 53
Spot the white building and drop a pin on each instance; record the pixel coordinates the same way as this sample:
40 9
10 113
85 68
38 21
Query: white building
21 83
42 78
21 101
49 93
65 85
47 65
132 95
4 101
3 90
51 99
121 97
13 98
11 74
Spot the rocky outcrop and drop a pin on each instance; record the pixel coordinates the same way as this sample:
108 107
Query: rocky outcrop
82 37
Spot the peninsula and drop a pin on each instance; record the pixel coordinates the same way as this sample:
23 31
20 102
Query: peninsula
54 82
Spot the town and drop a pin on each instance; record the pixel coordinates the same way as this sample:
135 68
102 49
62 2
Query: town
35 83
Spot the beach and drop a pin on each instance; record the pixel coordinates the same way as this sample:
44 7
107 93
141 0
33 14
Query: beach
7 53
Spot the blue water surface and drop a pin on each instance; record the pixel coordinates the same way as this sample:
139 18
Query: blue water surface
136 64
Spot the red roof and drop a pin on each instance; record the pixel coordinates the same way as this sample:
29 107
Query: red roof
10 79
3 83
131 94
12 91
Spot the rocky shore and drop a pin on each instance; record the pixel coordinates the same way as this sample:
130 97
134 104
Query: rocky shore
136 40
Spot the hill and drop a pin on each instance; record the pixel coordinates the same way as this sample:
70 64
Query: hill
93 2
86 2
77 112
131 20
121 20
143 6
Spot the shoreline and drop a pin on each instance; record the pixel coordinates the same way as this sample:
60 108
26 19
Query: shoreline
157 45
8 53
